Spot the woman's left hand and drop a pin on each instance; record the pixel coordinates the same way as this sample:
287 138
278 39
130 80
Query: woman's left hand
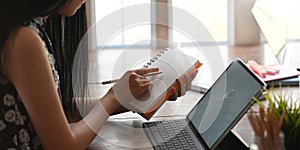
184 85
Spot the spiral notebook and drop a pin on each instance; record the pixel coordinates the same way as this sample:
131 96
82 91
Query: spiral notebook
174 64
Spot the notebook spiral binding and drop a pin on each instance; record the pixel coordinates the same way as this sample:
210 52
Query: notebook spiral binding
153 59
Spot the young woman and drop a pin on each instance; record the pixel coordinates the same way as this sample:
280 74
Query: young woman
31 115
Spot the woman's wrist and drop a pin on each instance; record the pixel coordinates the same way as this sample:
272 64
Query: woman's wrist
110 102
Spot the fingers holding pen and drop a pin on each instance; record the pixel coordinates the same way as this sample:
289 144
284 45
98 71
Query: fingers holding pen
133 85
138 82
139 85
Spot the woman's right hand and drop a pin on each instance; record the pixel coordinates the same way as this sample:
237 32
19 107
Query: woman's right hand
133 86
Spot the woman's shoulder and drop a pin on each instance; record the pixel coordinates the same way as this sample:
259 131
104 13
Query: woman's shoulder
23 45
25 41
23 38
26 35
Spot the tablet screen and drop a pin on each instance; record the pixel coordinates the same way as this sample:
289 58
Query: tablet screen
225 102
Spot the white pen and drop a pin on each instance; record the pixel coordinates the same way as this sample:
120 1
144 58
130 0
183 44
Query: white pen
145 75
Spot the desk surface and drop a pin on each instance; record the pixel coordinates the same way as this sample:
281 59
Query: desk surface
124 131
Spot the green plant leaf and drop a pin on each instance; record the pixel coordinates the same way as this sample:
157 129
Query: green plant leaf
282 101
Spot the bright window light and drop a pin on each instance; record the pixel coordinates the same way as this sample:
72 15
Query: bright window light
293 21
211 13
128 35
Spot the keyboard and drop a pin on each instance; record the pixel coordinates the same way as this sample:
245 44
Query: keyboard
169 135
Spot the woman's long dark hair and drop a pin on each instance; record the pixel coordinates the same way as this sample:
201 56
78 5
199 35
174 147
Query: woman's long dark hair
66 34
14 14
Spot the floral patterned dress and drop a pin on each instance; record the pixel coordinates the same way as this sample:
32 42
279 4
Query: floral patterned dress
16 130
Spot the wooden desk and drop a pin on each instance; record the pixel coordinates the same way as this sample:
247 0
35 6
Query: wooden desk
124 131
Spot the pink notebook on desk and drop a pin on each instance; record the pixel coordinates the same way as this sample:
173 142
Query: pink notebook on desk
285 72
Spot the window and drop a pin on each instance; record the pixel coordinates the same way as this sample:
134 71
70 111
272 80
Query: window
212 13
293 22
123 35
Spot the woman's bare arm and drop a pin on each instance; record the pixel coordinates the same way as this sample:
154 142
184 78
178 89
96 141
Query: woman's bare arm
27 67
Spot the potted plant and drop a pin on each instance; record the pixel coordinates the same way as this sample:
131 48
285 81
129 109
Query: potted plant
283 102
